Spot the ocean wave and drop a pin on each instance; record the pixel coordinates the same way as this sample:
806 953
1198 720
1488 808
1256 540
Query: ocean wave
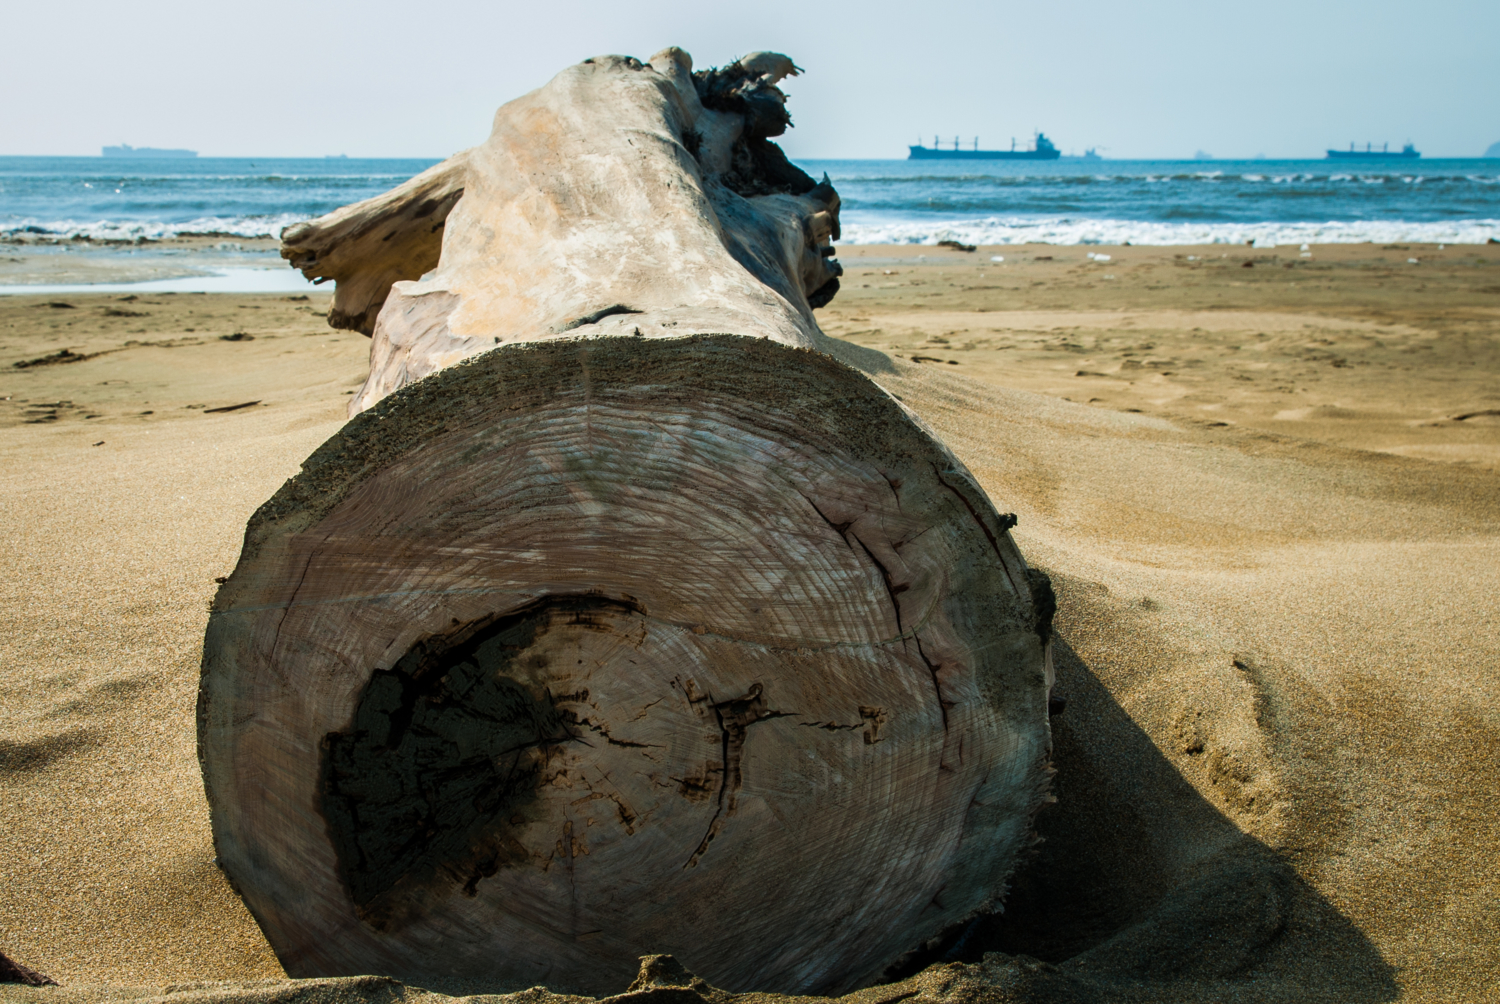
1216 179
984 230
1064 230
150 230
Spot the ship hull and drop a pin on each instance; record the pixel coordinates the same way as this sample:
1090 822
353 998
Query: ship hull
927 153
1371 155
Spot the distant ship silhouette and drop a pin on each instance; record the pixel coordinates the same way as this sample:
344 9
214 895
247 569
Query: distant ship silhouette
1041 150
126 150
1408 152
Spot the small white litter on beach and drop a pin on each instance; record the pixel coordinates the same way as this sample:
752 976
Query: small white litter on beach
997 257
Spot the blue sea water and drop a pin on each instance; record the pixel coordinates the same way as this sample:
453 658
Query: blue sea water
1167 202
126 199
996 202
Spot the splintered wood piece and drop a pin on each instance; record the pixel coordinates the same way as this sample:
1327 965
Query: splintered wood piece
369 245
594 648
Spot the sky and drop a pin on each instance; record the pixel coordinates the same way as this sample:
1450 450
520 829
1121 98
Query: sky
1143 79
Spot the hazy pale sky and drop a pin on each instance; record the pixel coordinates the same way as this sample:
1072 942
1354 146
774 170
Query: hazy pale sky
1145 78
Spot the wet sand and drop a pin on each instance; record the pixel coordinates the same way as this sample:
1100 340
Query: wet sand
1269 498
28 260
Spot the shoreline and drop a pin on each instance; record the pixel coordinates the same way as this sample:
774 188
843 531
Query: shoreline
84 262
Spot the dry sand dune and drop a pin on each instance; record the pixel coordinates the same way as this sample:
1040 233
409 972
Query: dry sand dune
1277 621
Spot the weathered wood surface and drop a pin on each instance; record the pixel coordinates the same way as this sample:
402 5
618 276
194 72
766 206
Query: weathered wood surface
593 646
611 201
370 245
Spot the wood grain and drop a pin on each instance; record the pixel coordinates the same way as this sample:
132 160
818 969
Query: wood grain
597 647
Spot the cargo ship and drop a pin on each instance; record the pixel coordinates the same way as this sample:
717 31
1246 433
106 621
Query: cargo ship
1042 149
126 150
1408 152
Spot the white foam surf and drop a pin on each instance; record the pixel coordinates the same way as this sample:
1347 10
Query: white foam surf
1063 230
135 231
989 230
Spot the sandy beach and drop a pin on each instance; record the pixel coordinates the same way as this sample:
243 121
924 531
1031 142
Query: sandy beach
1266 485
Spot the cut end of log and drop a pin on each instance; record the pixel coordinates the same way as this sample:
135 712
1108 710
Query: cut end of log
599 632
596 647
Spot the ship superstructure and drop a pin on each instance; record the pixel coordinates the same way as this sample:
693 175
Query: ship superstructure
1041 149
1408 152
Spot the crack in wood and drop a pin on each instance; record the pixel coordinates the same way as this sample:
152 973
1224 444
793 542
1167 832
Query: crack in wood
597 316
842 529
735 716
647 708
586 723
1008 520
895 484
871 719
292 601
891 588
937 685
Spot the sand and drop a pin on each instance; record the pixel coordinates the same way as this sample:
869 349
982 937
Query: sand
27 259
1272 519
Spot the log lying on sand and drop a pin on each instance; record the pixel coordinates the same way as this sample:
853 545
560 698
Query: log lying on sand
635 622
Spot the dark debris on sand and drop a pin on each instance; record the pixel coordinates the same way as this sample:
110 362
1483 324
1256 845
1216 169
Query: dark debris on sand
60 356
13 972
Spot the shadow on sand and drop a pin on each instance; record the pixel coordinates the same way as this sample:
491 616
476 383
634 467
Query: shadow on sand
1142 890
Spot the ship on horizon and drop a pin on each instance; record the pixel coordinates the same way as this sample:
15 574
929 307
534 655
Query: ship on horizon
126 150
1042 149
1408 152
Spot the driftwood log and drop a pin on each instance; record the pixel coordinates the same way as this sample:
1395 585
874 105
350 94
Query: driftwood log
622 617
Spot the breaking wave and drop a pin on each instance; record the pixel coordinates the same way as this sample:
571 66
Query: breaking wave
1066 230
133 231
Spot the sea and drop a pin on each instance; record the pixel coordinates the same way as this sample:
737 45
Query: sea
1068 201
